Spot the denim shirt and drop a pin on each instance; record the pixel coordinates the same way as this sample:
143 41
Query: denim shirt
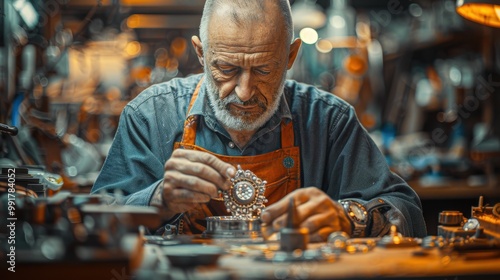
337 155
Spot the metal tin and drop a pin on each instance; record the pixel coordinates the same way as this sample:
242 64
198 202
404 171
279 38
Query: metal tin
232 227
451 218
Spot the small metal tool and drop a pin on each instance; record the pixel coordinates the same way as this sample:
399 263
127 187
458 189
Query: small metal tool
396 240
293 243
292 236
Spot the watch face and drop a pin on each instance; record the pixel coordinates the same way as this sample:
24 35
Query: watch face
357 213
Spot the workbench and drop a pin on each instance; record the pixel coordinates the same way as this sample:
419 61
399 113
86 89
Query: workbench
240 262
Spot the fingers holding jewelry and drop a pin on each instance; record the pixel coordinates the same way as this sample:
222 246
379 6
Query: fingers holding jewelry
203 165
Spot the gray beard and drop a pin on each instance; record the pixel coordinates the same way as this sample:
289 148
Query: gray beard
229 121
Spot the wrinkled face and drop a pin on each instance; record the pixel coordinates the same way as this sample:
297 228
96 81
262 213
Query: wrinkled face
245 68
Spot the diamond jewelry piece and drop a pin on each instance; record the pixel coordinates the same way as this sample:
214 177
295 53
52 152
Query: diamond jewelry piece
245 199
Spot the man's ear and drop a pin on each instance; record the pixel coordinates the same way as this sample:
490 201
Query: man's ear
198 48
294 50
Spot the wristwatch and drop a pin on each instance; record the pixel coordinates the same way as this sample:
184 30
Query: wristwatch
357 214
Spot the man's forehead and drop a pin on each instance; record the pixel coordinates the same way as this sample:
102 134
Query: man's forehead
250 12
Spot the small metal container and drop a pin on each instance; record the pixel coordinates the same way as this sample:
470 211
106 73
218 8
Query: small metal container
231 227
451 218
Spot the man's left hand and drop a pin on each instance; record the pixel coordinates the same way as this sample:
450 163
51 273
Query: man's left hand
316 211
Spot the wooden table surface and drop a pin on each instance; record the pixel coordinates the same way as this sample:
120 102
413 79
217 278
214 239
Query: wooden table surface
380 263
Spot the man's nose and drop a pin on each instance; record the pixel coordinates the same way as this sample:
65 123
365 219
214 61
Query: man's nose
245 88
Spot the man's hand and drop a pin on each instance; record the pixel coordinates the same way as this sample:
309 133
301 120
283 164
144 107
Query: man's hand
193 177
316 211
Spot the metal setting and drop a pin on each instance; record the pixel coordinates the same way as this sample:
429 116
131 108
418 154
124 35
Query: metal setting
245 199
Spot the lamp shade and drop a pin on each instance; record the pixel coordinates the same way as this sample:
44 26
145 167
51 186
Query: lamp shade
485 12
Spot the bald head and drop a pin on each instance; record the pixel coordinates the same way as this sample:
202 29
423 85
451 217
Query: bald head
243 13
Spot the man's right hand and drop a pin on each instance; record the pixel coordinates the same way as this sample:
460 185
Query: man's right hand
193 177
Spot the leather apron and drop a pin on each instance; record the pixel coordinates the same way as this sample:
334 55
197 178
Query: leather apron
280 168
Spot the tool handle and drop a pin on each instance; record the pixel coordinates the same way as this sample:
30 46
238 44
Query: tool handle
12 130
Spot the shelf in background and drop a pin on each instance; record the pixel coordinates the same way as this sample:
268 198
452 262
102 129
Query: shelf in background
458 189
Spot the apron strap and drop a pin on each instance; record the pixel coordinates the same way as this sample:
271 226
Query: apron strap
287 136
190 124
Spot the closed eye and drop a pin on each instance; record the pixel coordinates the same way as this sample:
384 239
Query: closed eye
262 72
228 71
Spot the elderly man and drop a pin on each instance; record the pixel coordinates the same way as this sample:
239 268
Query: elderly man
178 143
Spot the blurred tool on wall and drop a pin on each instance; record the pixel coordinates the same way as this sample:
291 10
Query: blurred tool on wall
421 79
485 147
445 116
69 68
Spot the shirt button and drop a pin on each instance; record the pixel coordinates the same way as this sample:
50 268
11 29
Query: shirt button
231 145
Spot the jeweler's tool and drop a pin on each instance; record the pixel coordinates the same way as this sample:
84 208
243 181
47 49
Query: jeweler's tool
292 236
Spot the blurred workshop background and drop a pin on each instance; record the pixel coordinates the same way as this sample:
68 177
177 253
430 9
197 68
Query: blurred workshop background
424 80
